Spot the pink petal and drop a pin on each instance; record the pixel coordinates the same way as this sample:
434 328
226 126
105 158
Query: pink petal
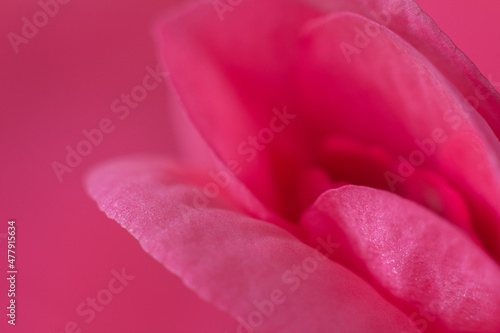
406 19
230 81
230 75
402 111
421 261
236 261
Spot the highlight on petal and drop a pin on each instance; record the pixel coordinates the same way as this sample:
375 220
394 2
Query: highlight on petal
420 261
263 276
405 18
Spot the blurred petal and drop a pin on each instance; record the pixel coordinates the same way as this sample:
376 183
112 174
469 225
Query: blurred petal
232 76
406 19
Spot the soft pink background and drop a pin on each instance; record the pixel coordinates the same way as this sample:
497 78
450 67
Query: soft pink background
63 81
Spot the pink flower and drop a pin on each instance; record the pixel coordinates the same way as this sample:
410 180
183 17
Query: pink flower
347 179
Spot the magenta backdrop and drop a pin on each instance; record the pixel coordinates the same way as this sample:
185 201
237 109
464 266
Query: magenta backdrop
63 81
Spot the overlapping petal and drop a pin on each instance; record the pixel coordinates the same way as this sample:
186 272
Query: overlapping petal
339 76
231 75
376 89
317 95
407 20
430 268
239 263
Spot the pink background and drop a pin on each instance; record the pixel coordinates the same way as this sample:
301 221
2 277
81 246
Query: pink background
63 81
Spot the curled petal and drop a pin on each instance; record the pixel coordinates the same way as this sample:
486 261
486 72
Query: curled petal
421 261
259 273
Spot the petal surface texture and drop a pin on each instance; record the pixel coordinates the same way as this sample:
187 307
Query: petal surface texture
237 262
429 267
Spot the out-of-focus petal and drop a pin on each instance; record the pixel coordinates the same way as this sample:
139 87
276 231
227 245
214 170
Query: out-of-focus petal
406 19
232 76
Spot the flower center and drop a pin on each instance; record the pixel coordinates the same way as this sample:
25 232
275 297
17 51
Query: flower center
343 161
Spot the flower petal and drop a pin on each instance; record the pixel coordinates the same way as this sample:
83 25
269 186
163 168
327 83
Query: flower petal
378 89
421 261
233 84
231 76
406 19
237 262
